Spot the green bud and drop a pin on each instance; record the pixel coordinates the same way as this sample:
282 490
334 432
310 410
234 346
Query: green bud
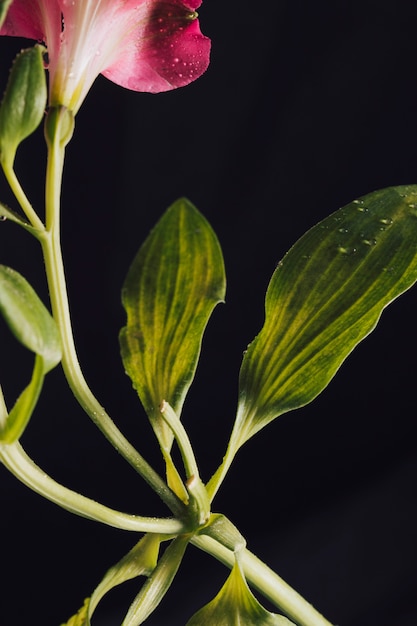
24 101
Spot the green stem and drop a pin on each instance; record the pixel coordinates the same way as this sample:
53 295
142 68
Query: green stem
17 461
21 197
267 582
216 480
187 454
51 247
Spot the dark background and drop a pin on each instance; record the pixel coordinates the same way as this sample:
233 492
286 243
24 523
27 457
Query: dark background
305 107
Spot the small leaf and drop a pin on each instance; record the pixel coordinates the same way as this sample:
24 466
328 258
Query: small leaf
140 561
173 285
81 617
24 406
324 297
33 326
235 605
24 102
158 583
28 318
8 214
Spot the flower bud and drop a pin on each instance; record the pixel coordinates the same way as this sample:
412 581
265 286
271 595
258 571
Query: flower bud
24 102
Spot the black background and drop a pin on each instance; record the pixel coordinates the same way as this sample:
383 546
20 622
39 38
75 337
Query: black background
305 107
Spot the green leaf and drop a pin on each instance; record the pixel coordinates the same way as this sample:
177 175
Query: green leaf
4 7
140 561
173 285
235 605
7 214
81 617
33 326
324 297
158 583
28 318
24 101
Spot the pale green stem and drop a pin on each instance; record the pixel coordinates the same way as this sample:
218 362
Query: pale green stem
199 499
216 480
267 582
17 461
181 437
59 301
21 197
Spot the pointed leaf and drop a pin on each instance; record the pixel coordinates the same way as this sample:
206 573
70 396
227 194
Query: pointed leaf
34 327
14 426
158 583
8 214
173 285
235 605
140 561
81 617
324 297
28 318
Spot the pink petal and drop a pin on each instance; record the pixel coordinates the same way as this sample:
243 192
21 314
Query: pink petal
24 19
169 52
32 19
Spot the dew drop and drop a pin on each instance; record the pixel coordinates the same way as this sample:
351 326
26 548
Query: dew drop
369 242
387 221
343 230
413 208
363 209
346 251
3 218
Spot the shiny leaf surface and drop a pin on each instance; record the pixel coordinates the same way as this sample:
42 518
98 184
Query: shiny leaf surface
325 296
173 285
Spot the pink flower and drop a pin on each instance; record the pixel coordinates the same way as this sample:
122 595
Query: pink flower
144 45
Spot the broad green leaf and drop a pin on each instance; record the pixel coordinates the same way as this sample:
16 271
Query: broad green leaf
324 297
140 561
173 285
24 101
235 605
4 7
33 326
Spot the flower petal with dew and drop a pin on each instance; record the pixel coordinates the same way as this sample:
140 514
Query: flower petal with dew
143 45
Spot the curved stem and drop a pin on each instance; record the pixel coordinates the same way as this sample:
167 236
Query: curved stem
21 197
17 461
51 247
216 480
266 581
